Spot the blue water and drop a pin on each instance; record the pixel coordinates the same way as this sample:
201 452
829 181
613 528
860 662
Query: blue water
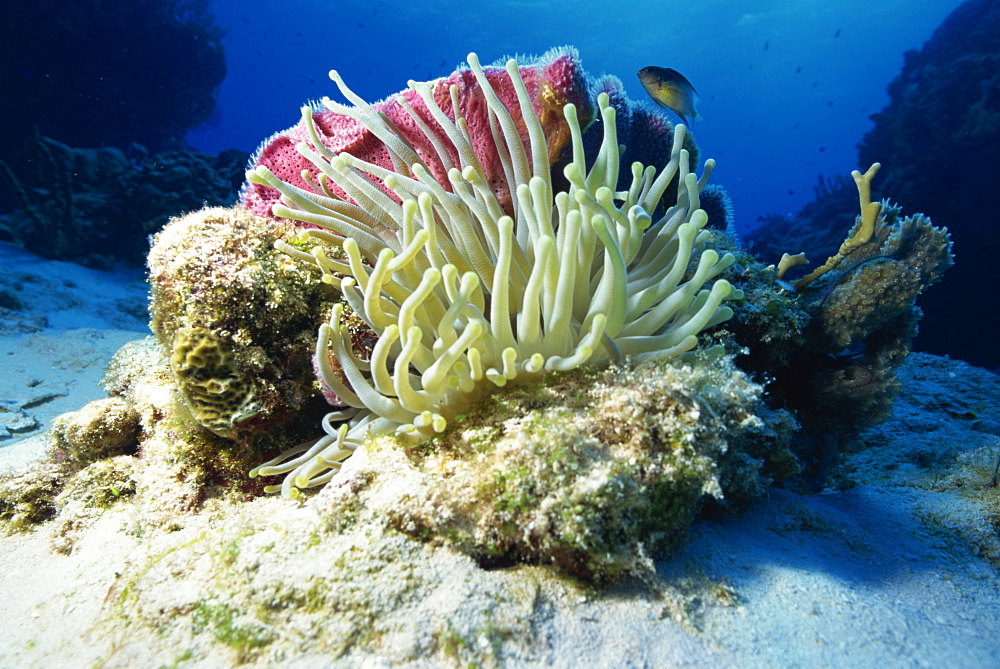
787 86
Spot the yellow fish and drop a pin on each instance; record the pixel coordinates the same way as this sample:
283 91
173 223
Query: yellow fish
671 89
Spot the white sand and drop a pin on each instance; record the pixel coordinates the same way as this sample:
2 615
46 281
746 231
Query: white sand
54 349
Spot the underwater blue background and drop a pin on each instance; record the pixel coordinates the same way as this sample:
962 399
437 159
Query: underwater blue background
787 87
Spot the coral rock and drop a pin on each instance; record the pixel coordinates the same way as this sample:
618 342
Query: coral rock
873 287
217 271
592 472
102 428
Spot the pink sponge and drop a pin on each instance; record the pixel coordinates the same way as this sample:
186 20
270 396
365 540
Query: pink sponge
552 81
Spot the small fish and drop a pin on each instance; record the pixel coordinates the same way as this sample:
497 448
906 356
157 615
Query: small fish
671 90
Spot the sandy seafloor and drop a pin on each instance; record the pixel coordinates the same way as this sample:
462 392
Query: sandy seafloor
896 566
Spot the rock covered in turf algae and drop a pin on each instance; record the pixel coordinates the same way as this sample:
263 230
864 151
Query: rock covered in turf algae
237 318
28 497
101 429
594 471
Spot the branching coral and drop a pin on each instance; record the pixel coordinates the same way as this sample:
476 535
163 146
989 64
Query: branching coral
465 297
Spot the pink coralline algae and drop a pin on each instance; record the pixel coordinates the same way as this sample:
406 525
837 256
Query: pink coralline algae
552 81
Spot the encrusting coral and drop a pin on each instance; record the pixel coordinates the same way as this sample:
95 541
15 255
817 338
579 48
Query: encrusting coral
217 395
467 294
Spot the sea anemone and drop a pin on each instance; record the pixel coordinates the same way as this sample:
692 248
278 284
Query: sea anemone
463 296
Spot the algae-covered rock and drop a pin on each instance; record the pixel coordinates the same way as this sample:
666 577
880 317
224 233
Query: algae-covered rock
100 429
27 497
592 472
177 462
86 496
218 283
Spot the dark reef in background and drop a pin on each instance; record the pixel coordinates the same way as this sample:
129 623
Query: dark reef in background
126 79
938 141
108 73
96 207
